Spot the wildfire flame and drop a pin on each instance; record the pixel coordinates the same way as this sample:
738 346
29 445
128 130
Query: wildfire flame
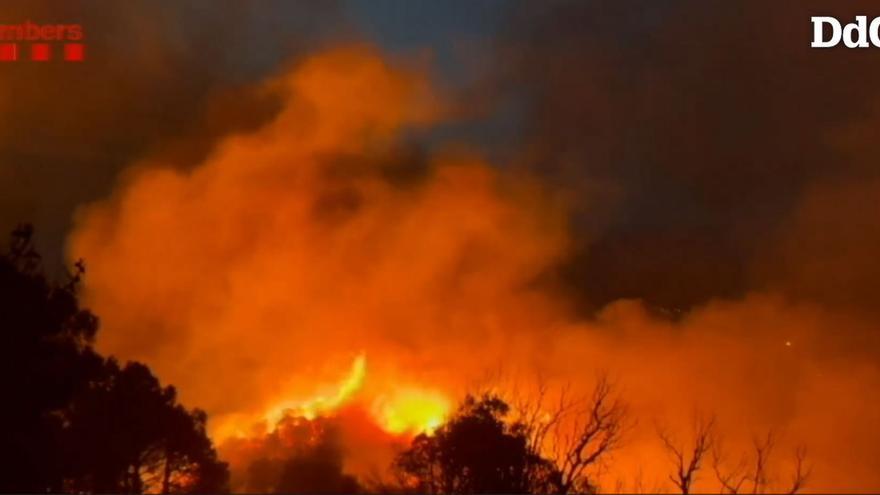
318 405
403 411
411 410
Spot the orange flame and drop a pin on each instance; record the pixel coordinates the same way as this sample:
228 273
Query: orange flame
411 411
314 406
406 410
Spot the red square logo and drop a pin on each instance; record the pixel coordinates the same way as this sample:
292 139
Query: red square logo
41 52
74 52
8 52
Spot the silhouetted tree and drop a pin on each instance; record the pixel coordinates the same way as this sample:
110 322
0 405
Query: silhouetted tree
578 433
128 434
477 451
688 460
73 421
750 474
45 359
302 456
316 470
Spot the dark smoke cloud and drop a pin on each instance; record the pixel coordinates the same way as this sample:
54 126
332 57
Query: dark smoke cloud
160 78
710 121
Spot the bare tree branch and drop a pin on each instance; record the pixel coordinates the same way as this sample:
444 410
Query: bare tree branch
763 449
575 432
756 471
733 480
598 432
801 472
687 466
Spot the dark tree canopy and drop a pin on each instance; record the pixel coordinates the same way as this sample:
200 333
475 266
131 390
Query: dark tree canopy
131 427
73 420
318 469
477 451
45 360
306 457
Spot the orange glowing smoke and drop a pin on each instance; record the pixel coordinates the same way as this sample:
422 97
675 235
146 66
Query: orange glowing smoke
313 246
254 280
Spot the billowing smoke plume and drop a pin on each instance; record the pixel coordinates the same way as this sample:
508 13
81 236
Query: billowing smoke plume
313 264
296 248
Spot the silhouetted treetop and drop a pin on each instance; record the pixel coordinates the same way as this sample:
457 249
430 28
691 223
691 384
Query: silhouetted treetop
72 420
301 456
477 451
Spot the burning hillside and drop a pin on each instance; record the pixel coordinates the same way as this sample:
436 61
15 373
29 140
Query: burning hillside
311 271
